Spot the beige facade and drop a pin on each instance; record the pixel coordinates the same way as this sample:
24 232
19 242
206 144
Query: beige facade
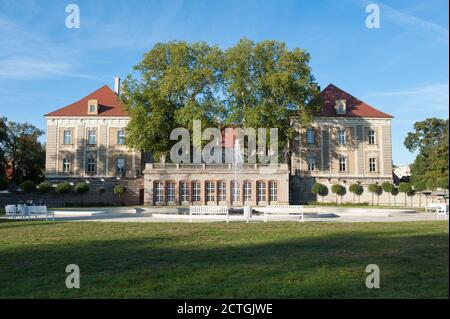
89 147
201 184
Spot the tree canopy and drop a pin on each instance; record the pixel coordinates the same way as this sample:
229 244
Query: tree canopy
249 85
21 151
431 166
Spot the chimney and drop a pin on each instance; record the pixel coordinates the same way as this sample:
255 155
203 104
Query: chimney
117 85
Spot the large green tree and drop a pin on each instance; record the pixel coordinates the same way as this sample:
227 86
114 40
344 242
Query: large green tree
23 152
176 83
266 84
431 166
249 85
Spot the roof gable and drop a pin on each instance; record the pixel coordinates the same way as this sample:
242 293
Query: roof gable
108 102
354 106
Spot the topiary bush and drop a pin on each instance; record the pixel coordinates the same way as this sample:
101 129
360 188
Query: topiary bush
63 188
28 187
320 189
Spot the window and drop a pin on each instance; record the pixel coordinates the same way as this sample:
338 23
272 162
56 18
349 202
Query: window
311 163
310 136
184 191
92 137
159 192
247 191
91 164
342 164
170 191
66 165
195 191
120 165
121 137
273 191
371 136
261 186
92 108
372 164
222 192
341 137
235 191
67 137
210 192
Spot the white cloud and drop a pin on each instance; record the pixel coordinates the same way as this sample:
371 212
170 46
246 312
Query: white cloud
27 55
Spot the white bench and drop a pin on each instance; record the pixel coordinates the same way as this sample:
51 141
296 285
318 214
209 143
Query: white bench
442 210
433 207
27 211
11 211
282 210
208 210
41 210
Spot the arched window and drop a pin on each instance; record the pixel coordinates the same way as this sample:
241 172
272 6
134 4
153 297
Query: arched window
247 191
184 191
273 191
261 186
170 187
210 191
196 191
221 191
235 191
66 165
159 192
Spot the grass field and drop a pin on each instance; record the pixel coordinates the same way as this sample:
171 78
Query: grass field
218 260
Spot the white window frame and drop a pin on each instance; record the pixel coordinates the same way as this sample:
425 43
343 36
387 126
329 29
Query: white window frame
196 191
92 137
247 191
170 188
67 137
121 137
371 136
343 164
66 165
341 137
222 191
210 191
235 191
184 191
372 164
273 191
261 187
159 192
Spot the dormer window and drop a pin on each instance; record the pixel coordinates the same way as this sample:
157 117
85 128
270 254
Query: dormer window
93 107
341 106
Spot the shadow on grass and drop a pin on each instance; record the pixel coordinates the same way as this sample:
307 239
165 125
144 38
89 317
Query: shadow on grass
216 263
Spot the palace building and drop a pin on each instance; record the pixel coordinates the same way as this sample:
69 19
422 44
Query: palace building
348 141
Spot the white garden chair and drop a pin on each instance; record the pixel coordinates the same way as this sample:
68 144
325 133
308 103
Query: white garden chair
11 211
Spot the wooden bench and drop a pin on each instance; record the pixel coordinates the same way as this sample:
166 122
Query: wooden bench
282 210
208 210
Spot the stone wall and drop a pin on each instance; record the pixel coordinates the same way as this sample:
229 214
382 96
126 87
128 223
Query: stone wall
131 197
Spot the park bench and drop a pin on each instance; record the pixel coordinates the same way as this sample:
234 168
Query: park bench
282 210
208 210
41 210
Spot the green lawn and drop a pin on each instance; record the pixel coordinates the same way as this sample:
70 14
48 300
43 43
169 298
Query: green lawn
218 260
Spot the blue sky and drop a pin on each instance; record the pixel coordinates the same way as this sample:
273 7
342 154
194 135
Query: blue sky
400 68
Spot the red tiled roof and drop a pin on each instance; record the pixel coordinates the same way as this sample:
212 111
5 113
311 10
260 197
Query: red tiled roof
108 102
354 106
